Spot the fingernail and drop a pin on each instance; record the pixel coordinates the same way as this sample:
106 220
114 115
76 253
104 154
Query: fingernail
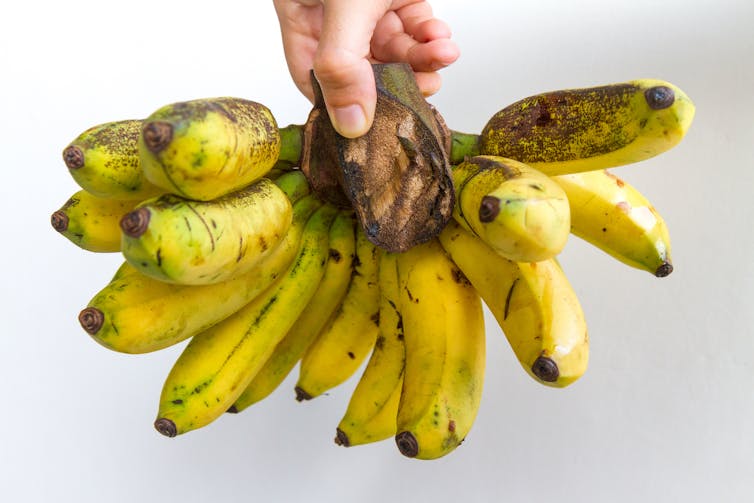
350 121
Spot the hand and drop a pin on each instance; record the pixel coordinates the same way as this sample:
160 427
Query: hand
340 39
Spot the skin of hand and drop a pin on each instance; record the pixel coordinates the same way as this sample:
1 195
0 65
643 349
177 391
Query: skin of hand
340 39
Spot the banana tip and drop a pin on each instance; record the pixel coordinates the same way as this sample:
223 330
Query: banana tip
135 223
166 427
302 395
232 409
73 157
545 369
341 438
59 221
91 320
157 135
664 270
407 444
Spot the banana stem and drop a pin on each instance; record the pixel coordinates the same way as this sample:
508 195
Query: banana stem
463 145
291 143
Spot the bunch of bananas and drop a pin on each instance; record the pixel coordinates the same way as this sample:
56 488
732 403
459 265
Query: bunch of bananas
227 243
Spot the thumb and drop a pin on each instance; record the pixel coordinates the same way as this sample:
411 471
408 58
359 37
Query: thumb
341 63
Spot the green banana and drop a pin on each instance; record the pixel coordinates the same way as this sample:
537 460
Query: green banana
521 213
203 149
218 364
614 216
91 222
373 407
577 130
138 314
323 304
104 161
200 242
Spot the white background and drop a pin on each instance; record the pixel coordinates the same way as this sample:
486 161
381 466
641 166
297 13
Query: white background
666 410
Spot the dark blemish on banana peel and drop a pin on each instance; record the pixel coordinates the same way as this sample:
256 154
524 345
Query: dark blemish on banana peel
489 209
659 97
508 299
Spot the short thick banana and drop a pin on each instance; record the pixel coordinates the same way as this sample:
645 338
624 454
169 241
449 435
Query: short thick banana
373 408
521 213
203 149
534 304
323 304
350 334
578 130
218 364
444 336
615 217
91 222
104 160
201 242
138 314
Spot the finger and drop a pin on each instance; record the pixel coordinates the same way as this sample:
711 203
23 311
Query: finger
419 21
429 82
300 24
423 57
299 55
342 66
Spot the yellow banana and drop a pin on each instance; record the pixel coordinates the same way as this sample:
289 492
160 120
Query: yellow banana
203 149
615 217
372 410
91 222
200 242
218 364
521 213
138 314
325 301
443 327
350 334
576 130
104 160
533 303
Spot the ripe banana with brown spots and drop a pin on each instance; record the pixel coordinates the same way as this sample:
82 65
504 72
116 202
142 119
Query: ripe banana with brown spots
575 130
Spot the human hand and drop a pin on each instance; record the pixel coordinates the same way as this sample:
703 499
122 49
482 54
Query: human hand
340 39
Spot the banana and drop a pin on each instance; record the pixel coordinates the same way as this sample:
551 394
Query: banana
218 364
372 410
443 326
91 222
533 303
325 301
203 149
521 213
350 334
138 314
104 161
200 242
615 217
577 130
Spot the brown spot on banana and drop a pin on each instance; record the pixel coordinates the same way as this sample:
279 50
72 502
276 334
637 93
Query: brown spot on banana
664 270
73 157
489 208
59 221
545 369
341 438
407 444
135 223
157 135
166 427
91 320
659 97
